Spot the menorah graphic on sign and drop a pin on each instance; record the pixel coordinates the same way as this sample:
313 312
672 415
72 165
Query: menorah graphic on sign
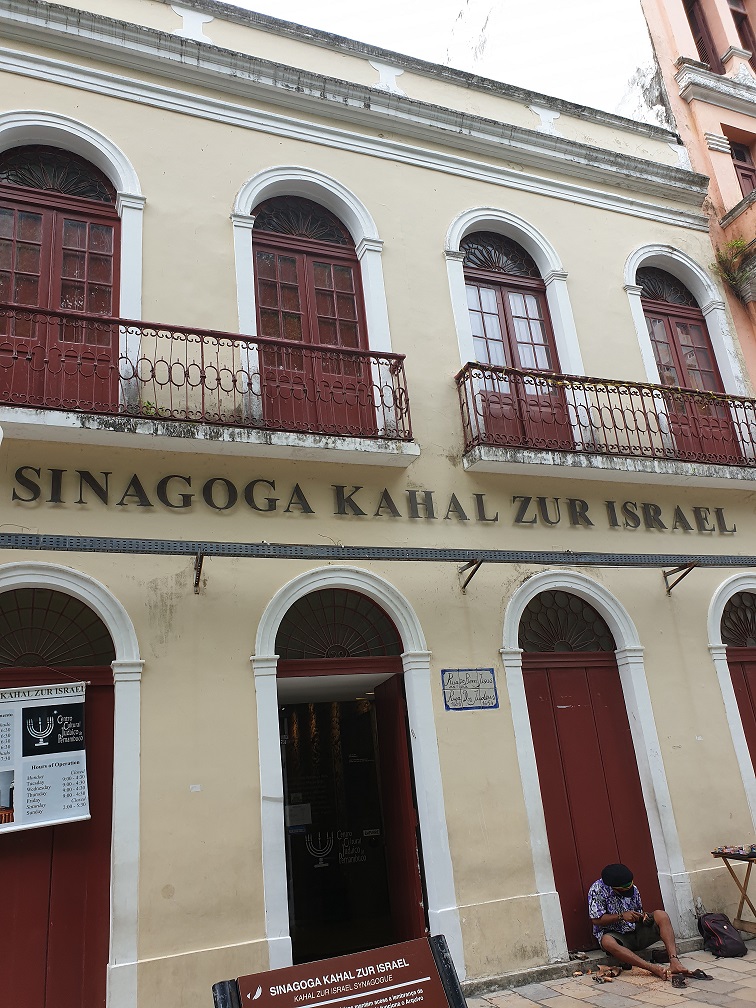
319 848
40 731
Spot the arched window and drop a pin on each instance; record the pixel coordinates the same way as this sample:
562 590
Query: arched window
685 359
509 318
738 629
309 292
59 251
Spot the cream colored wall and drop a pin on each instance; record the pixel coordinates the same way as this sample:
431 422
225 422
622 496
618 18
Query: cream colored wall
200 887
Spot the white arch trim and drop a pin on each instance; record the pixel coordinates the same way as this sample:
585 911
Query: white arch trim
294 180
709 299
443 913
127 669
53 130
548 263
673 879
739 582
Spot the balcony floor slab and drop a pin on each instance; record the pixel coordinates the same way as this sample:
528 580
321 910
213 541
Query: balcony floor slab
608 468
18 423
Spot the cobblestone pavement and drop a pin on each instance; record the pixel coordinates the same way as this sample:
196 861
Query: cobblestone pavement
733 986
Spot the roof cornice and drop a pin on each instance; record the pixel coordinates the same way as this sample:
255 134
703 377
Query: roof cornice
145 49
696 81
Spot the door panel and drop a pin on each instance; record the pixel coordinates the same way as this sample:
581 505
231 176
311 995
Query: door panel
55 911
399 812
742 662
593 803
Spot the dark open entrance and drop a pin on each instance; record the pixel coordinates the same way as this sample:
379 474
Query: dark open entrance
352 841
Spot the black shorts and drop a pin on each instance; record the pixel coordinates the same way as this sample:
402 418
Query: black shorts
643 936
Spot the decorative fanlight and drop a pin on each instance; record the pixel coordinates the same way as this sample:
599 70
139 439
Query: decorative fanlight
300 218
495 253
738 625
42 627
560 621
336 623
53 170
658 285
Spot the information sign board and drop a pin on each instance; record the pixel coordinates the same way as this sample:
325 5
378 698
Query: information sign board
43 769
414 973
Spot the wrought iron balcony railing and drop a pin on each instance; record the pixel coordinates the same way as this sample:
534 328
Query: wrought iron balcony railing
507 408
89 364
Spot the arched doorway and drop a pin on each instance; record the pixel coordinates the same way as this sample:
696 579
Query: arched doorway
511 328
685 360
738 629
55 880
590 787
309 297
351 824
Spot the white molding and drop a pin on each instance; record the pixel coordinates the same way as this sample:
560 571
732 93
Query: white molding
53 130
193 24
709 298
736 94
673 877
717 142
387 77
549 265
737 583
551 910
296 180
675 185
443 912
127 667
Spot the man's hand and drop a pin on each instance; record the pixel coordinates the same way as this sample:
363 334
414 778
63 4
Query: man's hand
632 916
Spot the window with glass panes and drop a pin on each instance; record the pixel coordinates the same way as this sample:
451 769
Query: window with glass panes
307 276
677 328
506 300
58 233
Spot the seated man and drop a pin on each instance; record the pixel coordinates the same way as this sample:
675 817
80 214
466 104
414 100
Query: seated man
622 928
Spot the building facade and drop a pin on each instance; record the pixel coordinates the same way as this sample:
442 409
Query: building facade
359 419
704 49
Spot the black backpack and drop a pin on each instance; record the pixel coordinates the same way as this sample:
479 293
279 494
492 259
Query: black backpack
720 936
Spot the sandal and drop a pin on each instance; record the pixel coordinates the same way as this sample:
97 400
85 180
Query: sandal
700 975
678 980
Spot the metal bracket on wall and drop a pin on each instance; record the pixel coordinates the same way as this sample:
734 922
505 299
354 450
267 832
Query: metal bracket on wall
686 569
198 572
475 565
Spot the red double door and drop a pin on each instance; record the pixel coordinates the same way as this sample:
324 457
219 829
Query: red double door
55 880
63 259
742 663
591 791
317 380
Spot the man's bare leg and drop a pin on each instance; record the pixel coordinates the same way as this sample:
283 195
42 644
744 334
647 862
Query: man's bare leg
612 947
661 918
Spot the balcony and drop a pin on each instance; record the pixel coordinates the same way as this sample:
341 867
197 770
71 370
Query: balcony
184 389
595 428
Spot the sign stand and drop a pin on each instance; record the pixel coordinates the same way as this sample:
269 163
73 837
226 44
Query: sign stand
419 973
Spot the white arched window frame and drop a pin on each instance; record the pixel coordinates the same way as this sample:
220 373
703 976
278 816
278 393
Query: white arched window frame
443 913
709 299
18 129
127 676
320 188
549 265
718 651
673 877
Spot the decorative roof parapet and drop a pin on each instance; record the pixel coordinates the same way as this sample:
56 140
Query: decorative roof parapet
149 50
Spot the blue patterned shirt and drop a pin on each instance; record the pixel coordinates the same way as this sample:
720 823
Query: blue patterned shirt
602 899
